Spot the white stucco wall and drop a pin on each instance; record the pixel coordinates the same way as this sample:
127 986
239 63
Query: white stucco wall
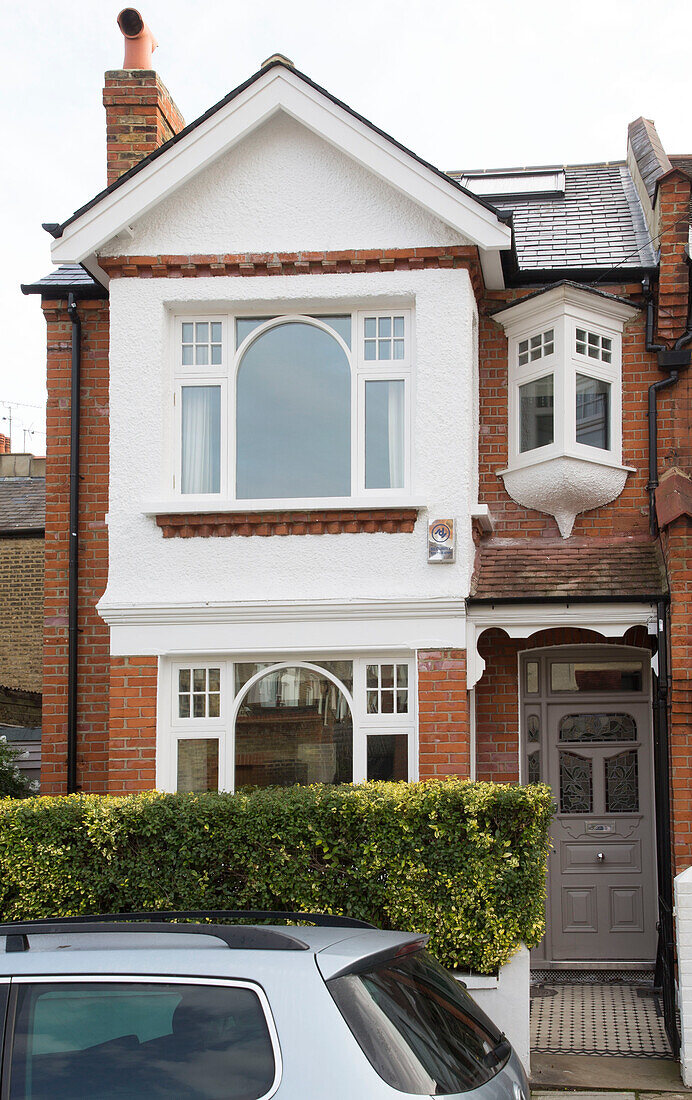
283 189
506 1000
145 569
683 930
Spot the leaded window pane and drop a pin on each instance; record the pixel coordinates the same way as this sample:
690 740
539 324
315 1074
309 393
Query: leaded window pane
598 727
621 783
533 771
576 784
533 728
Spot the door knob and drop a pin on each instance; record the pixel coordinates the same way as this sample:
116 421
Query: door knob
600 856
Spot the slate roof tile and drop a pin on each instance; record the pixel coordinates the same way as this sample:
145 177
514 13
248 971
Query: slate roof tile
22 503
599 223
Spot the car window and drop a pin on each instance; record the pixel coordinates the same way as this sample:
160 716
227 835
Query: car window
140 1040
418 1027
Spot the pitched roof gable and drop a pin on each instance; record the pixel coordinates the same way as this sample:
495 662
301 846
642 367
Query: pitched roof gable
275 87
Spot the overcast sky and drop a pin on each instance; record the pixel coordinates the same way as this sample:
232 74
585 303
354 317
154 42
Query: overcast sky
465 85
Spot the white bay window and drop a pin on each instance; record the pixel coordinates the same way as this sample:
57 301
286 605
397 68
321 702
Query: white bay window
230 724
565 400
293 407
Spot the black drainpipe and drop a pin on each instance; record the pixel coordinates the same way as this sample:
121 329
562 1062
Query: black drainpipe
73 560
672 361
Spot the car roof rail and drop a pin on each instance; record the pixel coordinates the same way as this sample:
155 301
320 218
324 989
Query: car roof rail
238 936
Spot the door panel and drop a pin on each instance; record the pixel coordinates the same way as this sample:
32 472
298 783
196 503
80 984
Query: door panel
594 749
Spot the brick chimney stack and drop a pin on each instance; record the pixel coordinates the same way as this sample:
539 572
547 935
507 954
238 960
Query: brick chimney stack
140 113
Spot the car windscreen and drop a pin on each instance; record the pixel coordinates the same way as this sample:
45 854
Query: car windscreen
418 1026
140 1041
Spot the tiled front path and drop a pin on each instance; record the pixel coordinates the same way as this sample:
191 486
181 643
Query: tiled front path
604 1019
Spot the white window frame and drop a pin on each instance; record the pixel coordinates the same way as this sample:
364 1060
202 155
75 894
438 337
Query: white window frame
225 374
564 317
171 729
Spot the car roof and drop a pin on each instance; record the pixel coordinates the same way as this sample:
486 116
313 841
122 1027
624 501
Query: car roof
174 950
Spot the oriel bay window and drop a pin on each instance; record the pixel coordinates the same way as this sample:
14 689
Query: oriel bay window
243 724
564 389
564 374
296 407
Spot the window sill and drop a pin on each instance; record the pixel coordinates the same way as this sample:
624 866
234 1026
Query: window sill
202 505
283 521
565 485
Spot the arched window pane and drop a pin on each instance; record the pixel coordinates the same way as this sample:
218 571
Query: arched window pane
293 726
293 418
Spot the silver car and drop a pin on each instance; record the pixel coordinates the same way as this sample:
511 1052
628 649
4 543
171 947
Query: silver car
143 1006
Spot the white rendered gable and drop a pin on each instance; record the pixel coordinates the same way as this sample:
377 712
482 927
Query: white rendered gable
285 189
224 128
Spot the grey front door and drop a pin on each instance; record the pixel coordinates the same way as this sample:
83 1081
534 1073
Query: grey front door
588 735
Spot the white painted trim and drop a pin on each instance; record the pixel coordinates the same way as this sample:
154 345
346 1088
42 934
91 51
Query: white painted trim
522 620
482 513
530 311
491 266
281 504
279 89
473 745
317 627
291 611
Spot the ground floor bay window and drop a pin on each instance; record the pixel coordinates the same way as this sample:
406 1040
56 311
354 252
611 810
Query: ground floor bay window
228 724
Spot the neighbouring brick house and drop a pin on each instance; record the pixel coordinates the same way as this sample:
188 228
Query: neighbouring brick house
22 521
303 352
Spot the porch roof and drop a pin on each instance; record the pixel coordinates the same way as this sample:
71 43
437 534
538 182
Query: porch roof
511 570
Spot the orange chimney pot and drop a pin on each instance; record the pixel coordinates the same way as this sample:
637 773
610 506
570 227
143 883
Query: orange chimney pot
139 41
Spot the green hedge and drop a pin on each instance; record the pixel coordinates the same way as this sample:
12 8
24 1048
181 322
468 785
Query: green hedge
462 861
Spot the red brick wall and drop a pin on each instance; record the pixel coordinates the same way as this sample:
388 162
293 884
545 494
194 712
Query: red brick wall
677 548
443 717
674 204
132 745
92 672
140 116
497 693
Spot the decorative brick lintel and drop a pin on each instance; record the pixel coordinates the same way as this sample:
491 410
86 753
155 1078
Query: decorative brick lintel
324 522
295 263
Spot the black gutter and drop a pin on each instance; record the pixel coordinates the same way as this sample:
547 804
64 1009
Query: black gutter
673 360
73 561
488 601
540 276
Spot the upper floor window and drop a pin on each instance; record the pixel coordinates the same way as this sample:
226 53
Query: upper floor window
293 407
565 400
564 383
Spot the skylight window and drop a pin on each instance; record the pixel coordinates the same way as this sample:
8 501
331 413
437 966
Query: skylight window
516 184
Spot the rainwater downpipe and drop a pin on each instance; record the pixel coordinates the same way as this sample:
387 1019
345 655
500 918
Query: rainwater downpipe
73 555
672 360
